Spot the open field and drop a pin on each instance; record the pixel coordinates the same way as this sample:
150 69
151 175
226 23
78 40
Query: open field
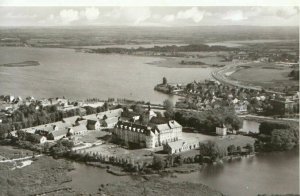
237 140
115 150
267 75
192 60
92 136
158 187
174 62
262 72
8 152
44 175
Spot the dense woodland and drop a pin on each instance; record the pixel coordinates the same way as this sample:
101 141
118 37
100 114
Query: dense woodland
207 121
173 48
275 136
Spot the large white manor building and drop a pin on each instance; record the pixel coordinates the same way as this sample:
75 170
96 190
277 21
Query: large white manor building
145 136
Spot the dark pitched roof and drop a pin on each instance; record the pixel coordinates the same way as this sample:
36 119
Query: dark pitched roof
91 122
134 127
159 120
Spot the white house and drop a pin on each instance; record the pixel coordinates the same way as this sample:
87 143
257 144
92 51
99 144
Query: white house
93 124
57 135
222 131
78 130
180 146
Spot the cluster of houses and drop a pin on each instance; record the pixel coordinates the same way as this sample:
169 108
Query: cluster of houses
72 126
8 104
265 55
125 130
211 94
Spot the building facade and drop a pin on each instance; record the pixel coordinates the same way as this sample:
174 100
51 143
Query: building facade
146 136
180 146
93 124
222 131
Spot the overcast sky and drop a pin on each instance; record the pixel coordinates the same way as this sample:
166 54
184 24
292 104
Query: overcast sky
149 16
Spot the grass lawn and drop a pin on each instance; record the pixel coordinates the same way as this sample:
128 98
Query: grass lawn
237 140
92 136
115 150
267 75
43 175
223 142
9 152
158 186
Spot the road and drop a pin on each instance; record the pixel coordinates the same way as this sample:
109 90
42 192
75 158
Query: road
267 118
18 159
220 76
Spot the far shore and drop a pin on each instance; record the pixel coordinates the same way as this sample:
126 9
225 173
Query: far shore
174 62
21 64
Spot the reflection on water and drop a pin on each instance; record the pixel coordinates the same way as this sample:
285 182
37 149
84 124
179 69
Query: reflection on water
211 170
268 173
88 179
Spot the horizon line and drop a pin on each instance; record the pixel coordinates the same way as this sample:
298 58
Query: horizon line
137 26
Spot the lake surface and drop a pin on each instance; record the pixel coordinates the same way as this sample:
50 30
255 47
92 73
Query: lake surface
250 126
272 173
88 179
64 72
265 173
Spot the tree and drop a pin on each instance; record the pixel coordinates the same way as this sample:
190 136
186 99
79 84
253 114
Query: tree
268 127
238 149
165 82
104 117
105 106
212 150
158 114
283 139
231 149
138 109
170 161
158 163
169 106
250 148
61 147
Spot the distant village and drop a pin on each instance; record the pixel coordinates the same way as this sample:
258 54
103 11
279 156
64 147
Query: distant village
212 94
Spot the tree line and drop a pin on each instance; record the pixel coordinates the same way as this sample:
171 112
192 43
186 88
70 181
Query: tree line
172 48
277 136
207 121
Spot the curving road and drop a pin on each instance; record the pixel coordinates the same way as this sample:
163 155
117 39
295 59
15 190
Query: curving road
220 76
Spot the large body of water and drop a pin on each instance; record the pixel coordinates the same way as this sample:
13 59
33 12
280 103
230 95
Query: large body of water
271 173
64 72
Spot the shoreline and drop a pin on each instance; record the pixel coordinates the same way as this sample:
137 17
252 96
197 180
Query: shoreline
21 64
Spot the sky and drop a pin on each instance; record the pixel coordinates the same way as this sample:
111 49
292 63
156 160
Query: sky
167 16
